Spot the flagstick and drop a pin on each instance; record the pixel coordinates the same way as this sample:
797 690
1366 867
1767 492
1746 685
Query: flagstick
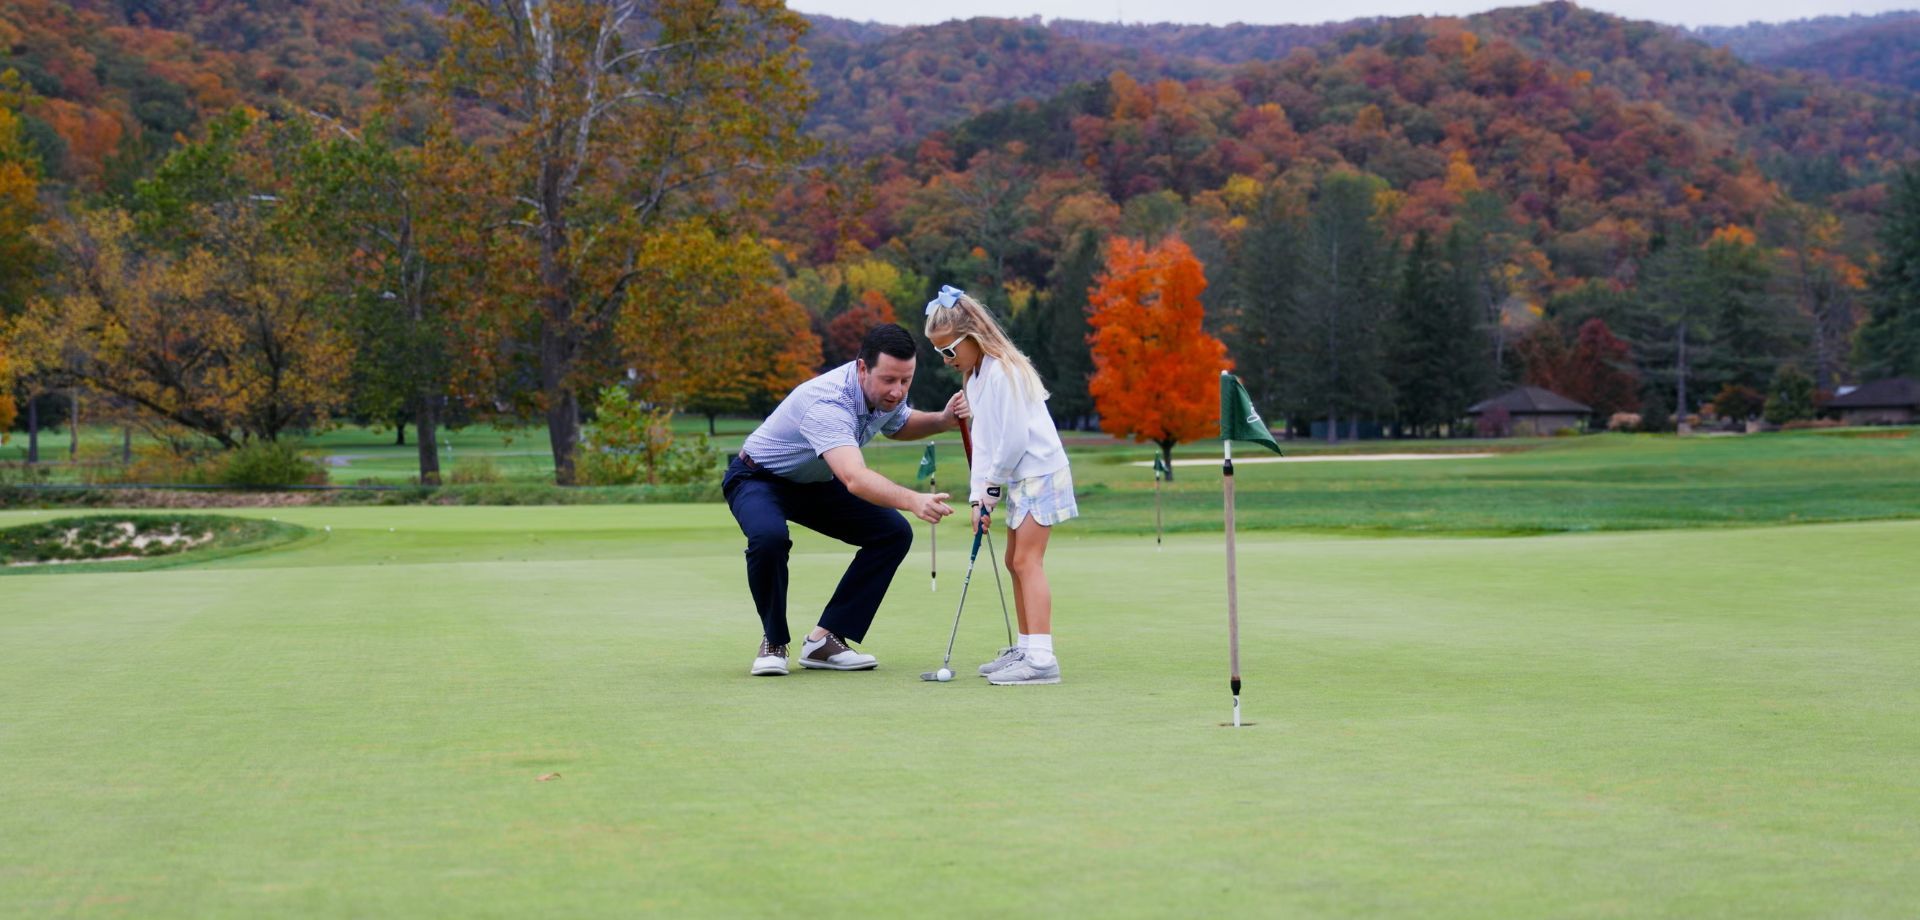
1233 585
933 539
1157 530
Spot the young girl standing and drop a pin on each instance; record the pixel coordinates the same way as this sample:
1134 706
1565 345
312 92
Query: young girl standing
1017 460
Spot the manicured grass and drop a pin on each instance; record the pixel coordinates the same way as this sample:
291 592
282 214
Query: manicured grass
1602 482
1593 483
1679 723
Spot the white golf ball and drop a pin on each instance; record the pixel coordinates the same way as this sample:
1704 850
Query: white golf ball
943 675
329 528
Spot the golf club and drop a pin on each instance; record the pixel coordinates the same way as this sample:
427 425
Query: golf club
946 664
994 558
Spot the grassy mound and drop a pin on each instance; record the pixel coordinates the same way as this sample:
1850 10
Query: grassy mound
136 538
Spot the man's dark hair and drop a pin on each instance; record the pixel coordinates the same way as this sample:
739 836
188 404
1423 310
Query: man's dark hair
887 337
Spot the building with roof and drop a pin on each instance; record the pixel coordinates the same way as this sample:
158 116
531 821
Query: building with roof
1527 411
1893 401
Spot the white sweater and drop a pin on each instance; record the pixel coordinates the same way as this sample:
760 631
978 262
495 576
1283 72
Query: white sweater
1013 437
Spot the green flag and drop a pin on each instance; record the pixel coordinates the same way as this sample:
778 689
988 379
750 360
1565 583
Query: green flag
1159 466
1238 420
926 465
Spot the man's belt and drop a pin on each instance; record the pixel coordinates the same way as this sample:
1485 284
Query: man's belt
749 461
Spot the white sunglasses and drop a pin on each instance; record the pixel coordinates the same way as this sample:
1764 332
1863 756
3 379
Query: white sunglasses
952 350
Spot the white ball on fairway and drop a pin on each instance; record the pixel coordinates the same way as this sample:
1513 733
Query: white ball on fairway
943 675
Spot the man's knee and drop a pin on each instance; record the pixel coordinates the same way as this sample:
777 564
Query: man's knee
895 536
769 541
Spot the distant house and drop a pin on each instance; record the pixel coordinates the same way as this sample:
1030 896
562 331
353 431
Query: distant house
1894 401
1530 411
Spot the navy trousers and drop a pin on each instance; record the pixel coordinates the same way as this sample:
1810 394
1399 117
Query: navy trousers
764 502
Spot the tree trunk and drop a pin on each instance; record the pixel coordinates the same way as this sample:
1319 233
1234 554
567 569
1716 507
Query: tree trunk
710 429
1333 426
1166 456
1680 374
399 432
126 444
73 424
33 428
426 416
563 405
558 337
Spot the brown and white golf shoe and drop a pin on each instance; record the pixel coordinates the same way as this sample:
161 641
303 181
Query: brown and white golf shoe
829 653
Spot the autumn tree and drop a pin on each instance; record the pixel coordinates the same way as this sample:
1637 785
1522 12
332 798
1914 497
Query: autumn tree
1545 360
379 213
1600 372
710 330
1156 371
199 306
970 224
624 119
845 331
19 203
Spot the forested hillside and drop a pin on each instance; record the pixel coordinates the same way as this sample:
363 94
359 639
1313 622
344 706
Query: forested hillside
1392 218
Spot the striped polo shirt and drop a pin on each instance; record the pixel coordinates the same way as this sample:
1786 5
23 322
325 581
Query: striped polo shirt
826 412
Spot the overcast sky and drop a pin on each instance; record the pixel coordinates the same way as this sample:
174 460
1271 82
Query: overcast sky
1218 12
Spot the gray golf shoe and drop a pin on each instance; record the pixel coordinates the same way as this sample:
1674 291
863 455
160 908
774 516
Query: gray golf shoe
1008 655
1023 671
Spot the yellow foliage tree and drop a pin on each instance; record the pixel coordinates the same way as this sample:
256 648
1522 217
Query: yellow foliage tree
19 201
708 330
229 338
626 119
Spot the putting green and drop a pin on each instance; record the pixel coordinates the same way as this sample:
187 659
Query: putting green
1678 723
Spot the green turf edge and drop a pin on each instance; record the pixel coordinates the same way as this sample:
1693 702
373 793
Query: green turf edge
279 535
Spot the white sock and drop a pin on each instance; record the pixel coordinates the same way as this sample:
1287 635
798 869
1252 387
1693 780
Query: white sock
1040 648
1023 642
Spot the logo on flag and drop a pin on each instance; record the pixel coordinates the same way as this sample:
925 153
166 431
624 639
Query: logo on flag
1238 420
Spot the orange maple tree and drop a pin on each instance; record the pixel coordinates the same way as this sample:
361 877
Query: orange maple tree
846 331
1156 371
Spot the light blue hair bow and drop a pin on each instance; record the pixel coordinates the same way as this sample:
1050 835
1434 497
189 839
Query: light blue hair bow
948 296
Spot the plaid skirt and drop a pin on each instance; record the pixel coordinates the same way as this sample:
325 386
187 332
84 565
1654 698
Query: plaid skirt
1048 498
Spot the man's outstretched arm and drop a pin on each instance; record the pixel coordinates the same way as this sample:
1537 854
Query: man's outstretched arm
923 424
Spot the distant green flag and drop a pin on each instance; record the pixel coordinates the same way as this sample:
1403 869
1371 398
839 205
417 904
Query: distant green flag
1159 466
1238 420
926 465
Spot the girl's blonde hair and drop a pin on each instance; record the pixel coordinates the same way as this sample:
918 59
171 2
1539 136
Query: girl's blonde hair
967 317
